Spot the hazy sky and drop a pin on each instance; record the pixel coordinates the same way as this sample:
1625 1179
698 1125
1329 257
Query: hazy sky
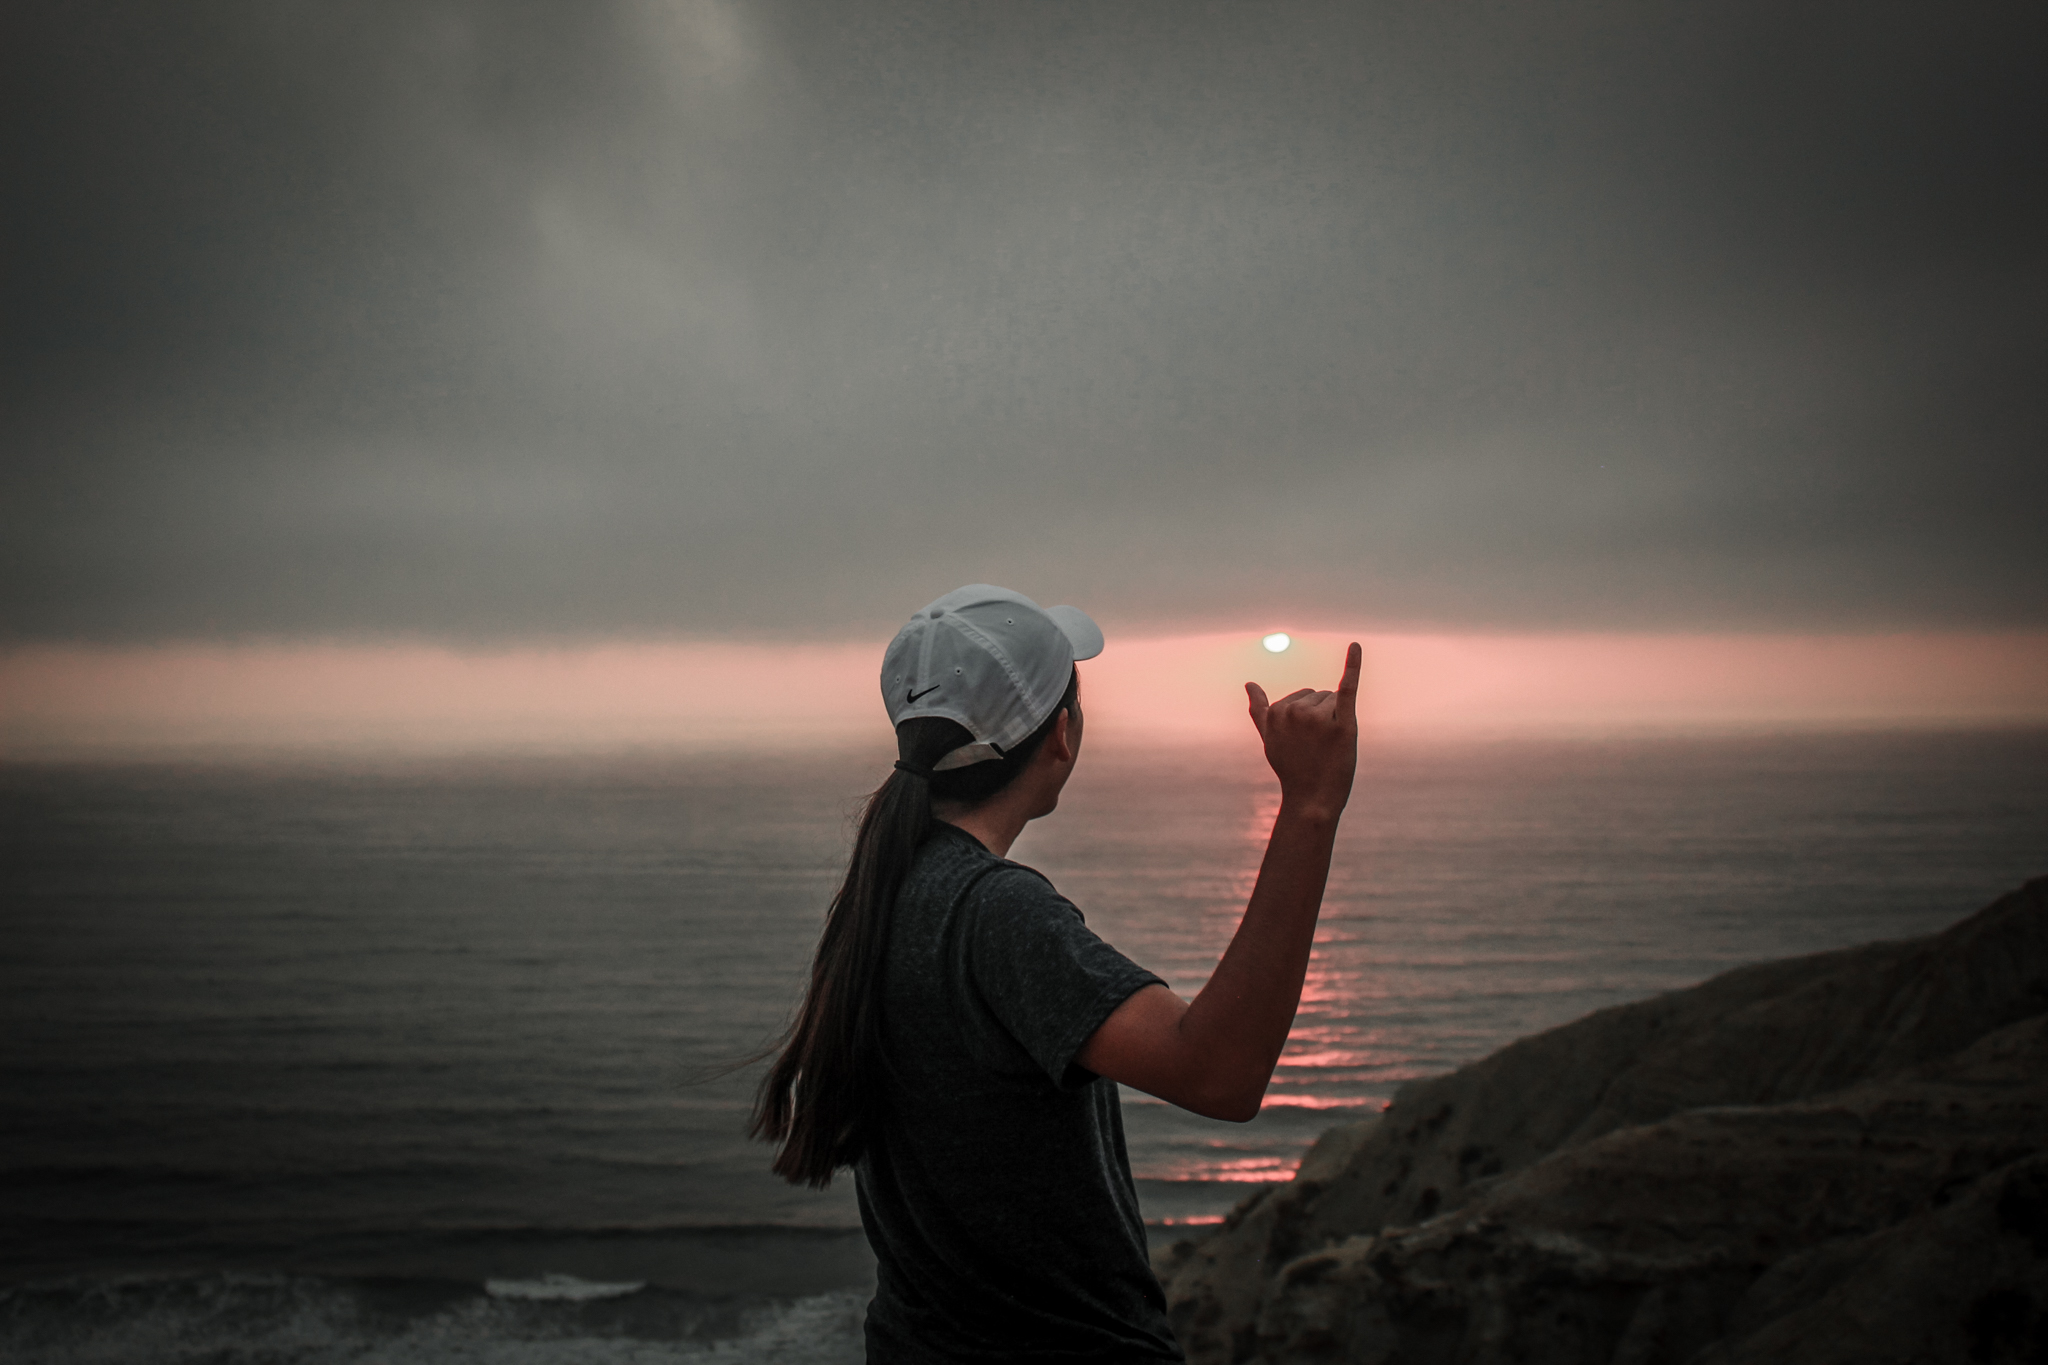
494 321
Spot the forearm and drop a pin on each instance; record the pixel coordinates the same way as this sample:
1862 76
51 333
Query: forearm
1239 1022
1216 1056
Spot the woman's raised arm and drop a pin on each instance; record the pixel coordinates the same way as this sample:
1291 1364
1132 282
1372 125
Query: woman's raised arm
1215 1056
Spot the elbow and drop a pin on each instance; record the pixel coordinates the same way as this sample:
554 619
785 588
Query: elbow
1231 1106
1230 1090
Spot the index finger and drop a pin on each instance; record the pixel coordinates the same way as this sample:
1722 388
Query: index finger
1347 686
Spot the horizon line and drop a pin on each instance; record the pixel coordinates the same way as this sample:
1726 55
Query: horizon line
723 693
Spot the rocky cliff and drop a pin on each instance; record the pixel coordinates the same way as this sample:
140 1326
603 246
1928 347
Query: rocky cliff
1830 1158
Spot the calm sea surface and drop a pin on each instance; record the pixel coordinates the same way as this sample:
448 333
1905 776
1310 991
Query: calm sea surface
308 1062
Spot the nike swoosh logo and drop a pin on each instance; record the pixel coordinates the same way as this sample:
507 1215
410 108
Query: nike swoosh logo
909 696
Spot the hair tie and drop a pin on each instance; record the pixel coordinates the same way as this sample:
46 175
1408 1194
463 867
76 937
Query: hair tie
914 769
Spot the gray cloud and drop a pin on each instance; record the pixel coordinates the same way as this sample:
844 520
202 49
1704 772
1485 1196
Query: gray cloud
490 320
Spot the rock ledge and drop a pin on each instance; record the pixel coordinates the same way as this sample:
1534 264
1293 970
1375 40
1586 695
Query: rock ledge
1829 1158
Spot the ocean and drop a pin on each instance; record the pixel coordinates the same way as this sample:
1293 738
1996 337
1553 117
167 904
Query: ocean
426 1060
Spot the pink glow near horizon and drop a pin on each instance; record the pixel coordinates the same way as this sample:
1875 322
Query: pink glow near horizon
724 694
1543 682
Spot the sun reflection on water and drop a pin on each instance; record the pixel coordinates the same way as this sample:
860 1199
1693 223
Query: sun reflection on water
1482 892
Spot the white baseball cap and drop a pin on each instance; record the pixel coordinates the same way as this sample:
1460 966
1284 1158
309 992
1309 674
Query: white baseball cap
991 659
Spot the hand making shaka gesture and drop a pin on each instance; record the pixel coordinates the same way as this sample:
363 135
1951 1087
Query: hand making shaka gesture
1311 739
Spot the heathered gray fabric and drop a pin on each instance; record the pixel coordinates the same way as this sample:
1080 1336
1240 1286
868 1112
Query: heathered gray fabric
997 1193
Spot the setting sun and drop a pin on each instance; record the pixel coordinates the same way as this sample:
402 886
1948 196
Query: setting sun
1277 642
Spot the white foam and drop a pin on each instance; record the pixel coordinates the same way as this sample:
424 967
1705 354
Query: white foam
275 1320
554 1286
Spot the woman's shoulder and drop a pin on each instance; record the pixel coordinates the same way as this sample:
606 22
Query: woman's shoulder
954 866
948 862
1018 892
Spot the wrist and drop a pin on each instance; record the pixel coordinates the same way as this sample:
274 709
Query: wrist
1319 813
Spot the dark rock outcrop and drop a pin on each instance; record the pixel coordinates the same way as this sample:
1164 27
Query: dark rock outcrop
1727 1173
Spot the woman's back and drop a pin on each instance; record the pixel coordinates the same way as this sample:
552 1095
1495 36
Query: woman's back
963 1032
995 1189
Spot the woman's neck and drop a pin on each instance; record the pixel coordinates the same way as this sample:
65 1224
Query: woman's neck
995 836
1036 791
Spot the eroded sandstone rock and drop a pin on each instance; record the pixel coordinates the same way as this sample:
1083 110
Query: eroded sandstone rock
1614 1190
1641 1245
1967 1281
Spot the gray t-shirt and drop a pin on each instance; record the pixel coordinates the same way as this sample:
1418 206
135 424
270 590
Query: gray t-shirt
996 1191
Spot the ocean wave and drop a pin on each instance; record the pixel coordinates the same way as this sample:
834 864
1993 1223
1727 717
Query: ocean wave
493 1229
557 1286
305 1320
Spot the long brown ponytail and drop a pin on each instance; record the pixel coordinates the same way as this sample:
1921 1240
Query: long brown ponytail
819 1100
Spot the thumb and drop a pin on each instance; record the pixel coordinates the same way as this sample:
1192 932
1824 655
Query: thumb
1257 694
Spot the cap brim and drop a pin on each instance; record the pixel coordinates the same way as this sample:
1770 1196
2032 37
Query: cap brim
1081 632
